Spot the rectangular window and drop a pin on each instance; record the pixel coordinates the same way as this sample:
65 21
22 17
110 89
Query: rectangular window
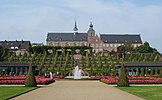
104 45
96 50
96 45
92 45
111 45
107 45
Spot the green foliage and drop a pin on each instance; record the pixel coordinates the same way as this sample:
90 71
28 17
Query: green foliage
63 51
138 73
99 61
130 57
147 71
55 60
42 49
141 57
128 47
30 78
88 60
66 61
160 71
156 71
152 57
142 72
72 60
152 71
42 64
3 52
156 58
123 79
145 48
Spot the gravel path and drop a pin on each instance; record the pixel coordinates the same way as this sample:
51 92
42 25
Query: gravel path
77 90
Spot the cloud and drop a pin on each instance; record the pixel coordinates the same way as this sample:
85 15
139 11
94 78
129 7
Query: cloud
32 20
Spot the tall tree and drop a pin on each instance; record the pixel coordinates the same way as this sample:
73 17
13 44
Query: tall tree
55 61
66 62
145 48
3 52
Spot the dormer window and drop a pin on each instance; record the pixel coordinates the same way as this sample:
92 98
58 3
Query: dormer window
12 47
16 48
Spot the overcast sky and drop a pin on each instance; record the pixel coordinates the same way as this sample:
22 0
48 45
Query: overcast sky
33 19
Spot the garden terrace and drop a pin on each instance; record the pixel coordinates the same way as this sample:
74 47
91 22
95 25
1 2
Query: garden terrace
94 64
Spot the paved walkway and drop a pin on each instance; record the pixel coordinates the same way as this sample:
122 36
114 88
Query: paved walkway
77 90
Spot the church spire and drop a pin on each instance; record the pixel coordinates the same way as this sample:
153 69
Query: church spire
75 29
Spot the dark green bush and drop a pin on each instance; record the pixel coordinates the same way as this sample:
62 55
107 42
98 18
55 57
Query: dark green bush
30 78
123 79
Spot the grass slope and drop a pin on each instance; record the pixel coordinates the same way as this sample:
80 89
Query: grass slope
10 91
146 92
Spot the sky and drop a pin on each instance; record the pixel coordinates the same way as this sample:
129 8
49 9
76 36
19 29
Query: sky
33 19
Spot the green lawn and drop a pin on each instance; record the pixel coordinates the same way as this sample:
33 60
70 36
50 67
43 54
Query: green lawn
146 92
10 91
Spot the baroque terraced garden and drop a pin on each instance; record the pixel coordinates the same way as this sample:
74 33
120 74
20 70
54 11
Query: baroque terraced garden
94 64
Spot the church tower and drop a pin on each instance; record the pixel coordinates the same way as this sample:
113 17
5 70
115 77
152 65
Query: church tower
91 33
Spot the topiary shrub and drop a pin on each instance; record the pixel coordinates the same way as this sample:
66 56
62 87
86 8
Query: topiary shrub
156 71
30 78
123 79
142 72
147 71
160 72
138 73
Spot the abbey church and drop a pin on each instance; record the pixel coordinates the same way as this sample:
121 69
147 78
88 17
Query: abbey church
101 43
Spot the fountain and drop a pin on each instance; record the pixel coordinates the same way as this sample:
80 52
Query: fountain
77 73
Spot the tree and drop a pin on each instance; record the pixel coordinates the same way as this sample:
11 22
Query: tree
145 48
88 60
3 52
147 71
66 61
30 78
99 62
128 47
123 79
156 71
130 57
55 60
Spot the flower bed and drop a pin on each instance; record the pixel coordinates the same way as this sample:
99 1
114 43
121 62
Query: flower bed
58 76
41 80
133 80
13 77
